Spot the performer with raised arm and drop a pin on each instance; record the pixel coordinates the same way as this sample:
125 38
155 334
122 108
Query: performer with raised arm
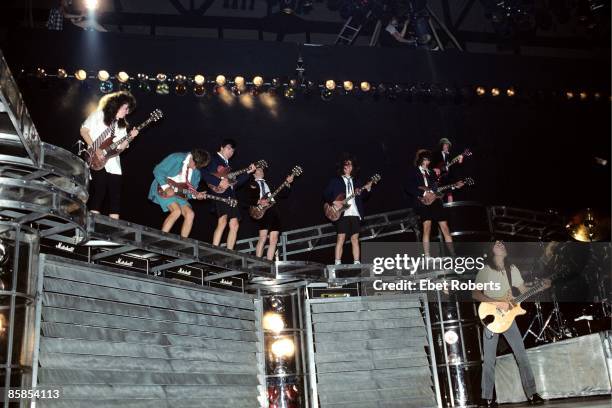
108 122
218 177
345 185
178 169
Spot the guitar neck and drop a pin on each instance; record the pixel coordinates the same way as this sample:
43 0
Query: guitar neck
278 189
233 174
526 295
128 137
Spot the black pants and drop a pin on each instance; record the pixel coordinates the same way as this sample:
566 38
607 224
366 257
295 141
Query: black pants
105 185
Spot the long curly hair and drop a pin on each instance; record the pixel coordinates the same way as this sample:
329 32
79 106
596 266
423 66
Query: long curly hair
421 155
344 157
111 103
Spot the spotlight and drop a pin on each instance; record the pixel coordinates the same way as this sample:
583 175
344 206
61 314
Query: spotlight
327 95
143 82
103 75
290 93
258 81
91 4
510 92
80 74
451 337
348 86
481 91
199 90
3 324
495 92
162 88
597 96
365 86
220 80
277 304
61 73
161 77
40 73
3 253
330 84
123 77
569 94
180 89
283 348
199 79
106 87
583 96
239 81
273 322
180 78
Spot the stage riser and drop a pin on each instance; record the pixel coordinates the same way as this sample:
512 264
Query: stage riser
112 339
569 368
370 352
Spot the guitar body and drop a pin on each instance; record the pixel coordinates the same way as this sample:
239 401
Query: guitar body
429 199
496 320
257 212
181 190
332 213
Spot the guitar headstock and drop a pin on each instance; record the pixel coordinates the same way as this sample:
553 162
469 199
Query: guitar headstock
297 171
261 164
156 115
467 152
468 181
375 178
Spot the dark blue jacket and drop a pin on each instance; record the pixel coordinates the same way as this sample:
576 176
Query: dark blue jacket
336 186
217 163
416 180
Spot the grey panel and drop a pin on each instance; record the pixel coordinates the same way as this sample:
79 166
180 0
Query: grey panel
109 279
149 403
137 298
368 324
371 344
420 403
122 309
376 383
335 378
366 304
365 315
351 366
156 391
405 393
383 354
370 335
119 322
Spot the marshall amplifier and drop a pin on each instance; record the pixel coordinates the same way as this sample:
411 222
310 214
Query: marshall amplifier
233 283
123 261
350 290
78 252
185 273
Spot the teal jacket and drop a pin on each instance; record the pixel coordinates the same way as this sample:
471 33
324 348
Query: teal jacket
170 167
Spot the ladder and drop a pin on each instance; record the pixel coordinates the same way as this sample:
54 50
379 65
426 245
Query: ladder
348 34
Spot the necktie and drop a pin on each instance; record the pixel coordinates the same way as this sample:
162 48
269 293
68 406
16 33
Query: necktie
350 185
263 188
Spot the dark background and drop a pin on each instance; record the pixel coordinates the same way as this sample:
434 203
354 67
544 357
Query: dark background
534 152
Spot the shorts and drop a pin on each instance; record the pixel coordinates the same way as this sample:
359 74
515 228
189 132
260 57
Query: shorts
349 225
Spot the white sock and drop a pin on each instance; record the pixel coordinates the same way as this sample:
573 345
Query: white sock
356 263
338 262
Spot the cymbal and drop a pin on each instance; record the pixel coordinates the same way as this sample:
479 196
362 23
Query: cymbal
588 226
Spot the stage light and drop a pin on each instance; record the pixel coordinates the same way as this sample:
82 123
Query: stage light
277 304
597 96
258 81
348 86
40 73
365 87
91 4
495 91
61 73
330 84
381 89
199 90
510 92
162 89
481 91
327 95
273 322
583 96
123 77
239 81
199 80
283 348
3 253
161 77
220 80
103 75
180 89
106 87
569 94
451 337
143 82
397 90
80 74
3 324
180 78
289 93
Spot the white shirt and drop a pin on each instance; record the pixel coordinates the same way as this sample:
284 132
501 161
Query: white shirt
425 173
352 210
184 175
488 274
265 190
95 124
391 28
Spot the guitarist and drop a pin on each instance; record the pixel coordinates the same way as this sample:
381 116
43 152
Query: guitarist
441 161
499 270
420 179
179 167
270 223
108 121
349 224
225 213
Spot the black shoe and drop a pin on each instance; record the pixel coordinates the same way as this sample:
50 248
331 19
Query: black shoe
535 399
484 403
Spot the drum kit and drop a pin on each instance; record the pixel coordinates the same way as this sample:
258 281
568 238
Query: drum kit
555 320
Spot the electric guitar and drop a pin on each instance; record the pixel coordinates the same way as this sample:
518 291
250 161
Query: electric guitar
444 168
258 211
103 148
332 213
186 190
438 192
223 172
497 320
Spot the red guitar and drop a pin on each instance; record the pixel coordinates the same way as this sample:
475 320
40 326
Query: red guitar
223 172
187 190
444 168
332 213
103 148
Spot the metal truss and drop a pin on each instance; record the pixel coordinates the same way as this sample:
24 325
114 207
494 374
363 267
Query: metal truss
528 224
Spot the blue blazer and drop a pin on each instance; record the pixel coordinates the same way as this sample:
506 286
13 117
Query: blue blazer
336 186
170 167
213 166
416 180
